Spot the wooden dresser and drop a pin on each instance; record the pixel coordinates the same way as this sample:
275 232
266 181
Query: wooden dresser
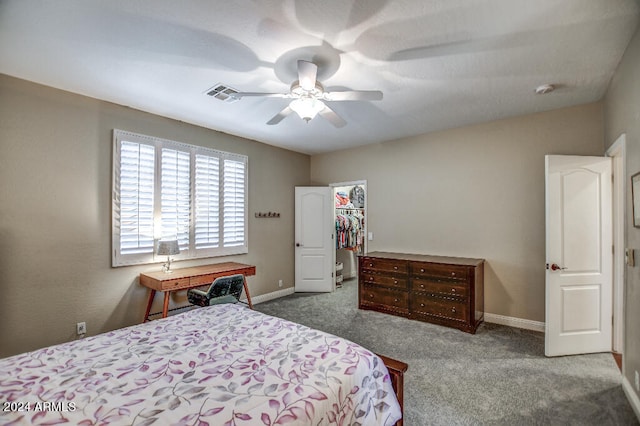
442 290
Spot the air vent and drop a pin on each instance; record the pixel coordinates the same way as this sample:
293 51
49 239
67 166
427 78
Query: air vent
223 93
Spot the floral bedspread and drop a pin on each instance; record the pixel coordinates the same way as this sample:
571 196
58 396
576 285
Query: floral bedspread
219 365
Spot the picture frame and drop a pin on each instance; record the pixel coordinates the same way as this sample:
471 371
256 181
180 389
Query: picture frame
635 199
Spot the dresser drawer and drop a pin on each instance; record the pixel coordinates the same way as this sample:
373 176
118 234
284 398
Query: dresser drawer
380 296
372 277
440 270
175 284
444 286
440 307
384 265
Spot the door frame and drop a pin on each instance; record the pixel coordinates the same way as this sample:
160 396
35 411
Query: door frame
617 151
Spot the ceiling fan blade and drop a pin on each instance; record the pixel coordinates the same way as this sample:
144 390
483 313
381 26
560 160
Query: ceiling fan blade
307 73
354 95
280 116
330 115
258 94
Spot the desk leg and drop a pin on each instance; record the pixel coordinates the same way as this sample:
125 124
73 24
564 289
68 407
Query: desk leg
165 306
246 291
149 303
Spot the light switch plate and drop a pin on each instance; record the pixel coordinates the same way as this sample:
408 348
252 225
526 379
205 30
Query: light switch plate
629 257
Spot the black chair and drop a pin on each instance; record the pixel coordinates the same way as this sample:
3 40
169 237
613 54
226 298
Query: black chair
223 290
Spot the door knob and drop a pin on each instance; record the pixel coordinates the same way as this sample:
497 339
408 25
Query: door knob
298 245
554 267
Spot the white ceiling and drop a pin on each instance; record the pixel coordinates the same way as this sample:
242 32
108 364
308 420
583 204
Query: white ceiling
440 63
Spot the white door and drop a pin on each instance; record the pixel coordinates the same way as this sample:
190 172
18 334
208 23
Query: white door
315 249
578 255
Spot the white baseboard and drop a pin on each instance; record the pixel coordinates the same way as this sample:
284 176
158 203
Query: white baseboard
514 322
270 296
632 396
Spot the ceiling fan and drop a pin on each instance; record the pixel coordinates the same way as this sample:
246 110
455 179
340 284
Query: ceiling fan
309 97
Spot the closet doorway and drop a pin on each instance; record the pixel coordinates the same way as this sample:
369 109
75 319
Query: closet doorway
350 214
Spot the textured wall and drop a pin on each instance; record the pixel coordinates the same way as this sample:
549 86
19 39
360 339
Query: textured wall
476 191
622 115
55 214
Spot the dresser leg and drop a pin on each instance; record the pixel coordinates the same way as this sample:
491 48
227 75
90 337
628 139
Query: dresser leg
149 303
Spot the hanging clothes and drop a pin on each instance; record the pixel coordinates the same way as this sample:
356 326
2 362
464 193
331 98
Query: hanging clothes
349 229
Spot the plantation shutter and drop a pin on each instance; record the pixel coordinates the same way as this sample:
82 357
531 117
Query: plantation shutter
234 196
207 221
175 196
169 190
136 201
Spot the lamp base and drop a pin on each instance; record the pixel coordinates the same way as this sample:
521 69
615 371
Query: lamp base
166 268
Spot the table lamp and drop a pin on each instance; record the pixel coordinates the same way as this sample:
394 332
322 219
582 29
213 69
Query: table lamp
167 248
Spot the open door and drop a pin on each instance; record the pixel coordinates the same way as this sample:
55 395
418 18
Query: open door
578 254
315 249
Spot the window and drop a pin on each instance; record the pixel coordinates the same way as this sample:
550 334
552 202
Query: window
168 190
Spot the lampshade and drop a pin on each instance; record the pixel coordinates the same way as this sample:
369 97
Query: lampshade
168 247
307 108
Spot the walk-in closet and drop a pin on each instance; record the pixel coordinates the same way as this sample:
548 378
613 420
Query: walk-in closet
351 232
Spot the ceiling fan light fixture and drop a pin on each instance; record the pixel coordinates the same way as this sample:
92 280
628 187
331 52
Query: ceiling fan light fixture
307 108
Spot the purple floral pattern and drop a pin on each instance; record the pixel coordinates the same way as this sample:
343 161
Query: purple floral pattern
218 365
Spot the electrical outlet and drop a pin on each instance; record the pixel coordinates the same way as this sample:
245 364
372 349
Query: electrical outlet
280 283
637 382
81 328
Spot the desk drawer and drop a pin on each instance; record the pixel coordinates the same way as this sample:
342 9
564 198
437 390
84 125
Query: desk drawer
201 280
176 284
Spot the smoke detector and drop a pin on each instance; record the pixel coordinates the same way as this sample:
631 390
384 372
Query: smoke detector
544 89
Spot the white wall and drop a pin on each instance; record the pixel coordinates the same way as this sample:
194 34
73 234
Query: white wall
622 115
476 191
55 214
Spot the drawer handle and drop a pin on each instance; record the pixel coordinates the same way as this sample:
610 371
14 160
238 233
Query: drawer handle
421 285
176 284
371 279
453 310
395 281
422 305
422 270
371 264
395 300
371 296
453 290
395 267
453 274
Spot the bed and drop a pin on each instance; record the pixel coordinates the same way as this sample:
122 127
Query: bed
217 365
